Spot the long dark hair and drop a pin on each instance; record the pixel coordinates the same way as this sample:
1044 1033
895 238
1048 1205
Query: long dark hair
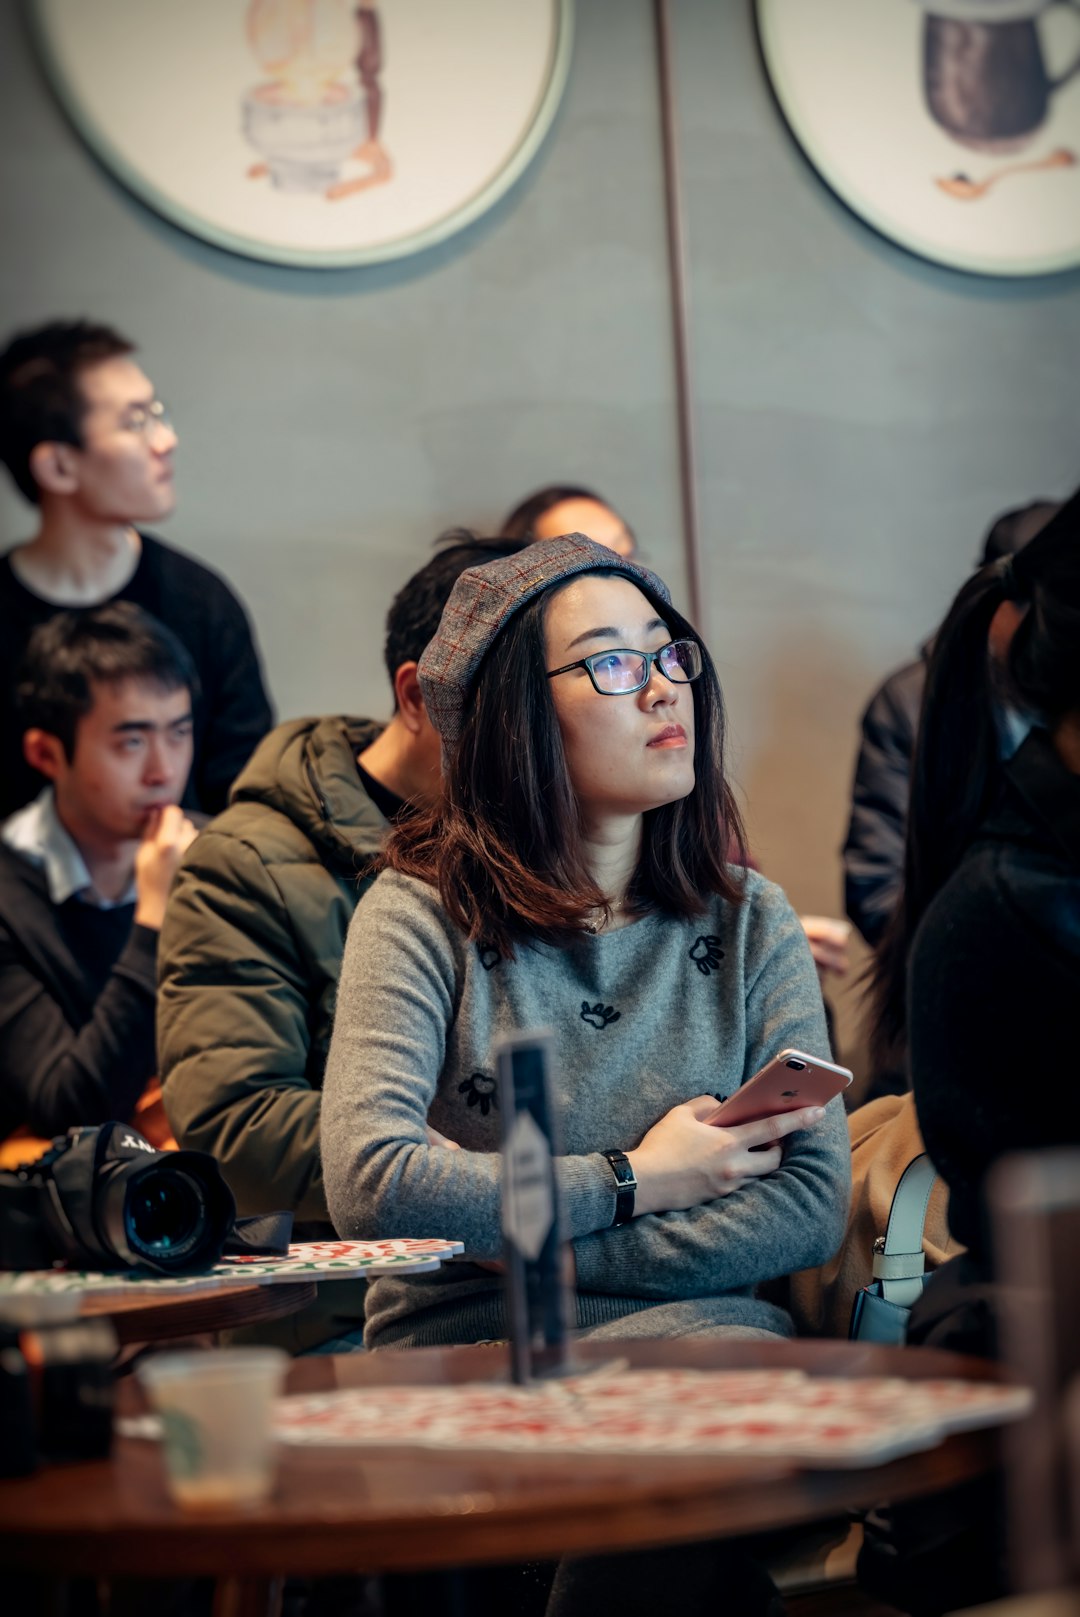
506 845
957 770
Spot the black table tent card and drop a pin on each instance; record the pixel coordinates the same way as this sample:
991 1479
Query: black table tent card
536 1290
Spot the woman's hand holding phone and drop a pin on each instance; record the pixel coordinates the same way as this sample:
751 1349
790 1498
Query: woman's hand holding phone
684 1160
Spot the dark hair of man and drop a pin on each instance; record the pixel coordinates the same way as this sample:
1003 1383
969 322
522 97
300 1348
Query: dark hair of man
417 607
521 523
1014 529
40 398
957 769
74 652
506 847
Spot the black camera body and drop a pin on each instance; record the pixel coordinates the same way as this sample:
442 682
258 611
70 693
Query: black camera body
103 1198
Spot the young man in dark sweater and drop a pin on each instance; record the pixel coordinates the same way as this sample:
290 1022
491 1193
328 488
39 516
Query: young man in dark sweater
88 443
106 703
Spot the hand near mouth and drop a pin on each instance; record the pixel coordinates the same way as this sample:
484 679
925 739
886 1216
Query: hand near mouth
166 835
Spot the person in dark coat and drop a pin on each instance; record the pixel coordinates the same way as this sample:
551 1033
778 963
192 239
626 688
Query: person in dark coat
85 870
874 849
981 964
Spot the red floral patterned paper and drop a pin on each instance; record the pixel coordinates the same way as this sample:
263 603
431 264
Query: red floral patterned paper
816 1420
306 1260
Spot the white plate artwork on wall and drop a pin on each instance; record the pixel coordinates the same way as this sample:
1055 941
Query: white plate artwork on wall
951 126
312 132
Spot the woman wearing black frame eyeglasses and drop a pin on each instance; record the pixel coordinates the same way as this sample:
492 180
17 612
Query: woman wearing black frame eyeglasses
575 876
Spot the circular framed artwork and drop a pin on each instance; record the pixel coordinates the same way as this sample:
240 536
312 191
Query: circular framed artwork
951 126
311 132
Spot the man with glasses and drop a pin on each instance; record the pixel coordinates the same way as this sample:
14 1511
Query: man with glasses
88 443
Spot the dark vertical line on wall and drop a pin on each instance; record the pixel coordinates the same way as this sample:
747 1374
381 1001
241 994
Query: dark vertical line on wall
680 321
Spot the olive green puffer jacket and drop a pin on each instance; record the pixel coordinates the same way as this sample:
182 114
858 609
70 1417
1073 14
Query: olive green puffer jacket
248 968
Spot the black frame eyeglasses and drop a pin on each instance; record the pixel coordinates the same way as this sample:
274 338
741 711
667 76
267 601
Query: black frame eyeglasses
679 661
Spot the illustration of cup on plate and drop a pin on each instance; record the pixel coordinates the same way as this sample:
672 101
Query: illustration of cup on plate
320 105
216 1410
985 76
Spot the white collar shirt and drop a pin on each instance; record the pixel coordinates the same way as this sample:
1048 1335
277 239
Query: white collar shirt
37 834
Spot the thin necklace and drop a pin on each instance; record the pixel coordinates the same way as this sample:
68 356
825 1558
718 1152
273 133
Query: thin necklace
616 909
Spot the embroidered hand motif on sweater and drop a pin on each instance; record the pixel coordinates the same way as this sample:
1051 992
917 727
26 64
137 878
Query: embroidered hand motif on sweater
707 954
599 1015
481 1091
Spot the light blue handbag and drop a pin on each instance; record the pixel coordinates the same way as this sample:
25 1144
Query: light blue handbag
880 1312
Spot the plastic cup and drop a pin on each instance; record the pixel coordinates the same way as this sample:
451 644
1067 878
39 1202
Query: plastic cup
216 1410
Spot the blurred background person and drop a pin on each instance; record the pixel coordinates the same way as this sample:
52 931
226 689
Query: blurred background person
89 444
568 508
874 849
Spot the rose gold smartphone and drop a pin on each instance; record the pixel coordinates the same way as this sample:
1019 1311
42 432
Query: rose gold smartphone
789 1081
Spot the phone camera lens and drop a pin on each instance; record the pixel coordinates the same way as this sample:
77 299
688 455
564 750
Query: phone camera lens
796 1066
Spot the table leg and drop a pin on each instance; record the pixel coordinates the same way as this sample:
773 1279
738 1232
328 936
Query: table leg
521 1590
248 1597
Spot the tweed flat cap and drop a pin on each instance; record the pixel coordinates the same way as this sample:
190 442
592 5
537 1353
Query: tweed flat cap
483 601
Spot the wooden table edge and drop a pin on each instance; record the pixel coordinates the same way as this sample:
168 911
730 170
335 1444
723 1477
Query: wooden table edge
141 1319
673 1500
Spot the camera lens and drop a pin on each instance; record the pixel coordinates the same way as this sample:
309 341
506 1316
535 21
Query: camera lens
796 1066
117 1203
164 1214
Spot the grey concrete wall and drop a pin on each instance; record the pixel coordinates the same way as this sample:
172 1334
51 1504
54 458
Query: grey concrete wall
862 414
332 422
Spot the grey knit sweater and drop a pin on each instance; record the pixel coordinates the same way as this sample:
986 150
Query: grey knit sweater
643 1017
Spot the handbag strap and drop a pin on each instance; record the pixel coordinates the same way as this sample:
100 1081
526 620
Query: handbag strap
899 1262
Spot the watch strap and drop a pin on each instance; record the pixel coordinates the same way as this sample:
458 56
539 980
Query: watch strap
625 1186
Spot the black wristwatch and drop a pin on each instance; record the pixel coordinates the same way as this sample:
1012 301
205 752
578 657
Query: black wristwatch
626 1185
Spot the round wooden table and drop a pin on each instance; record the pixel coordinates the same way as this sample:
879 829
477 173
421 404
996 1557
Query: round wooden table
140 1317
337 1510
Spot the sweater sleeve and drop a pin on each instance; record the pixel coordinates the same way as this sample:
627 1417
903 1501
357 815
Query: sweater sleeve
56 1076
396 1001
236 711
233 1029
791 1219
